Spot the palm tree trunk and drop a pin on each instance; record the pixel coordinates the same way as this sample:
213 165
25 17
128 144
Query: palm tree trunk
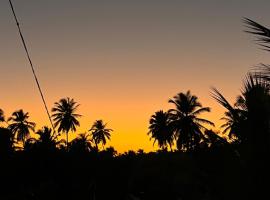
96 145
23 142
67 140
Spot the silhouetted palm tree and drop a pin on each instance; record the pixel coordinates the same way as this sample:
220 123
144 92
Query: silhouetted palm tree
187 125
234 117
20 126
100 133
46 140
64 116
81 144
160 129
255 103
2 116
251 111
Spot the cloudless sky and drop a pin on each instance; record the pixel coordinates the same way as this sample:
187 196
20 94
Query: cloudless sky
123 60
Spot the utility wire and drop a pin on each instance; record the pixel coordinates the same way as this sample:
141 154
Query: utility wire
31 64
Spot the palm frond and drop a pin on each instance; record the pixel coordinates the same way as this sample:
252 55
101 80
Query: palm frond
204 121
221 99
262 33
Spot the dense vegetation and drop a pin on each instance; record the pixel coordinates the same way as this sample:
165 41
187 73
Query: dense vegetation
194 162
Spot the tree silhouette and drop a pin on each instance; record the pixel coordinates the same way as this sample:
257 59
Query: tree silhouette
160 129
81 144
20 126
6 141
213 139
187 125
234 117
109 152
2 116
46 140
254 101
99 133
251 110
64 116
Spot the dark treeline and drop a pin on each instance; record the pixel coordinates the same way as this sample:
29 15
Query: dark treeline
194 162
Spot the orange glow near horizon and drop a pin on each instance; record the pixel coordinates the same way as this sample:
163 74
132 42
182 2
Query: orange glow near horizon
129 121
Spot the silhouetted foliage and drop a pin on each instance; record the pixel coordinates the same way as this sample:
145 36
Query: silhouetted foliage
262 33
109 152
99 133
2 116
206 166
64 116
82 144
187 125
213 139
6 141
249 121
263 72
20 126
234 117
47 141
161 129
251 110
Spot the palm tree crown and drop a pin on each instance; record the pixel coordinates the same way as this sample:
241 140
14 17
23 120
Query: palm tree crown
82 144
20 125
161 130
46 139
251 110
234 117
187 125
254 103
100 133
64 116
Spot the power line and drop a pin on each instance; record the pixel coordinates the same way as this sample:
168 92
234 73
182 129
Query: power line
31 64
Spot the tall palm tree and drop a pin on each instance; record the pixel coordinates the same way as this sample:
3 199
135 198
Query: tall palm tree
160 129
99 133
2 116
64 116
20 126
261 90
187 125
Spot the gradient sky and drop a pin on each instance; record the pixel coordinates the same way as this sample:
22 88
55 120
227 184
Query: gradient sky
123 60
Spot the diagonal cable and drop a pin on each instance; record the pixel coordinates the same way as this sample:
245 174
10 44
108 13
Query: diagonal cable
31 64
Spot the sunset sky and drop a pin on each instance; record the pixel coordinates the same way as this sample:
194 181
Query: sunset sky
123 60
